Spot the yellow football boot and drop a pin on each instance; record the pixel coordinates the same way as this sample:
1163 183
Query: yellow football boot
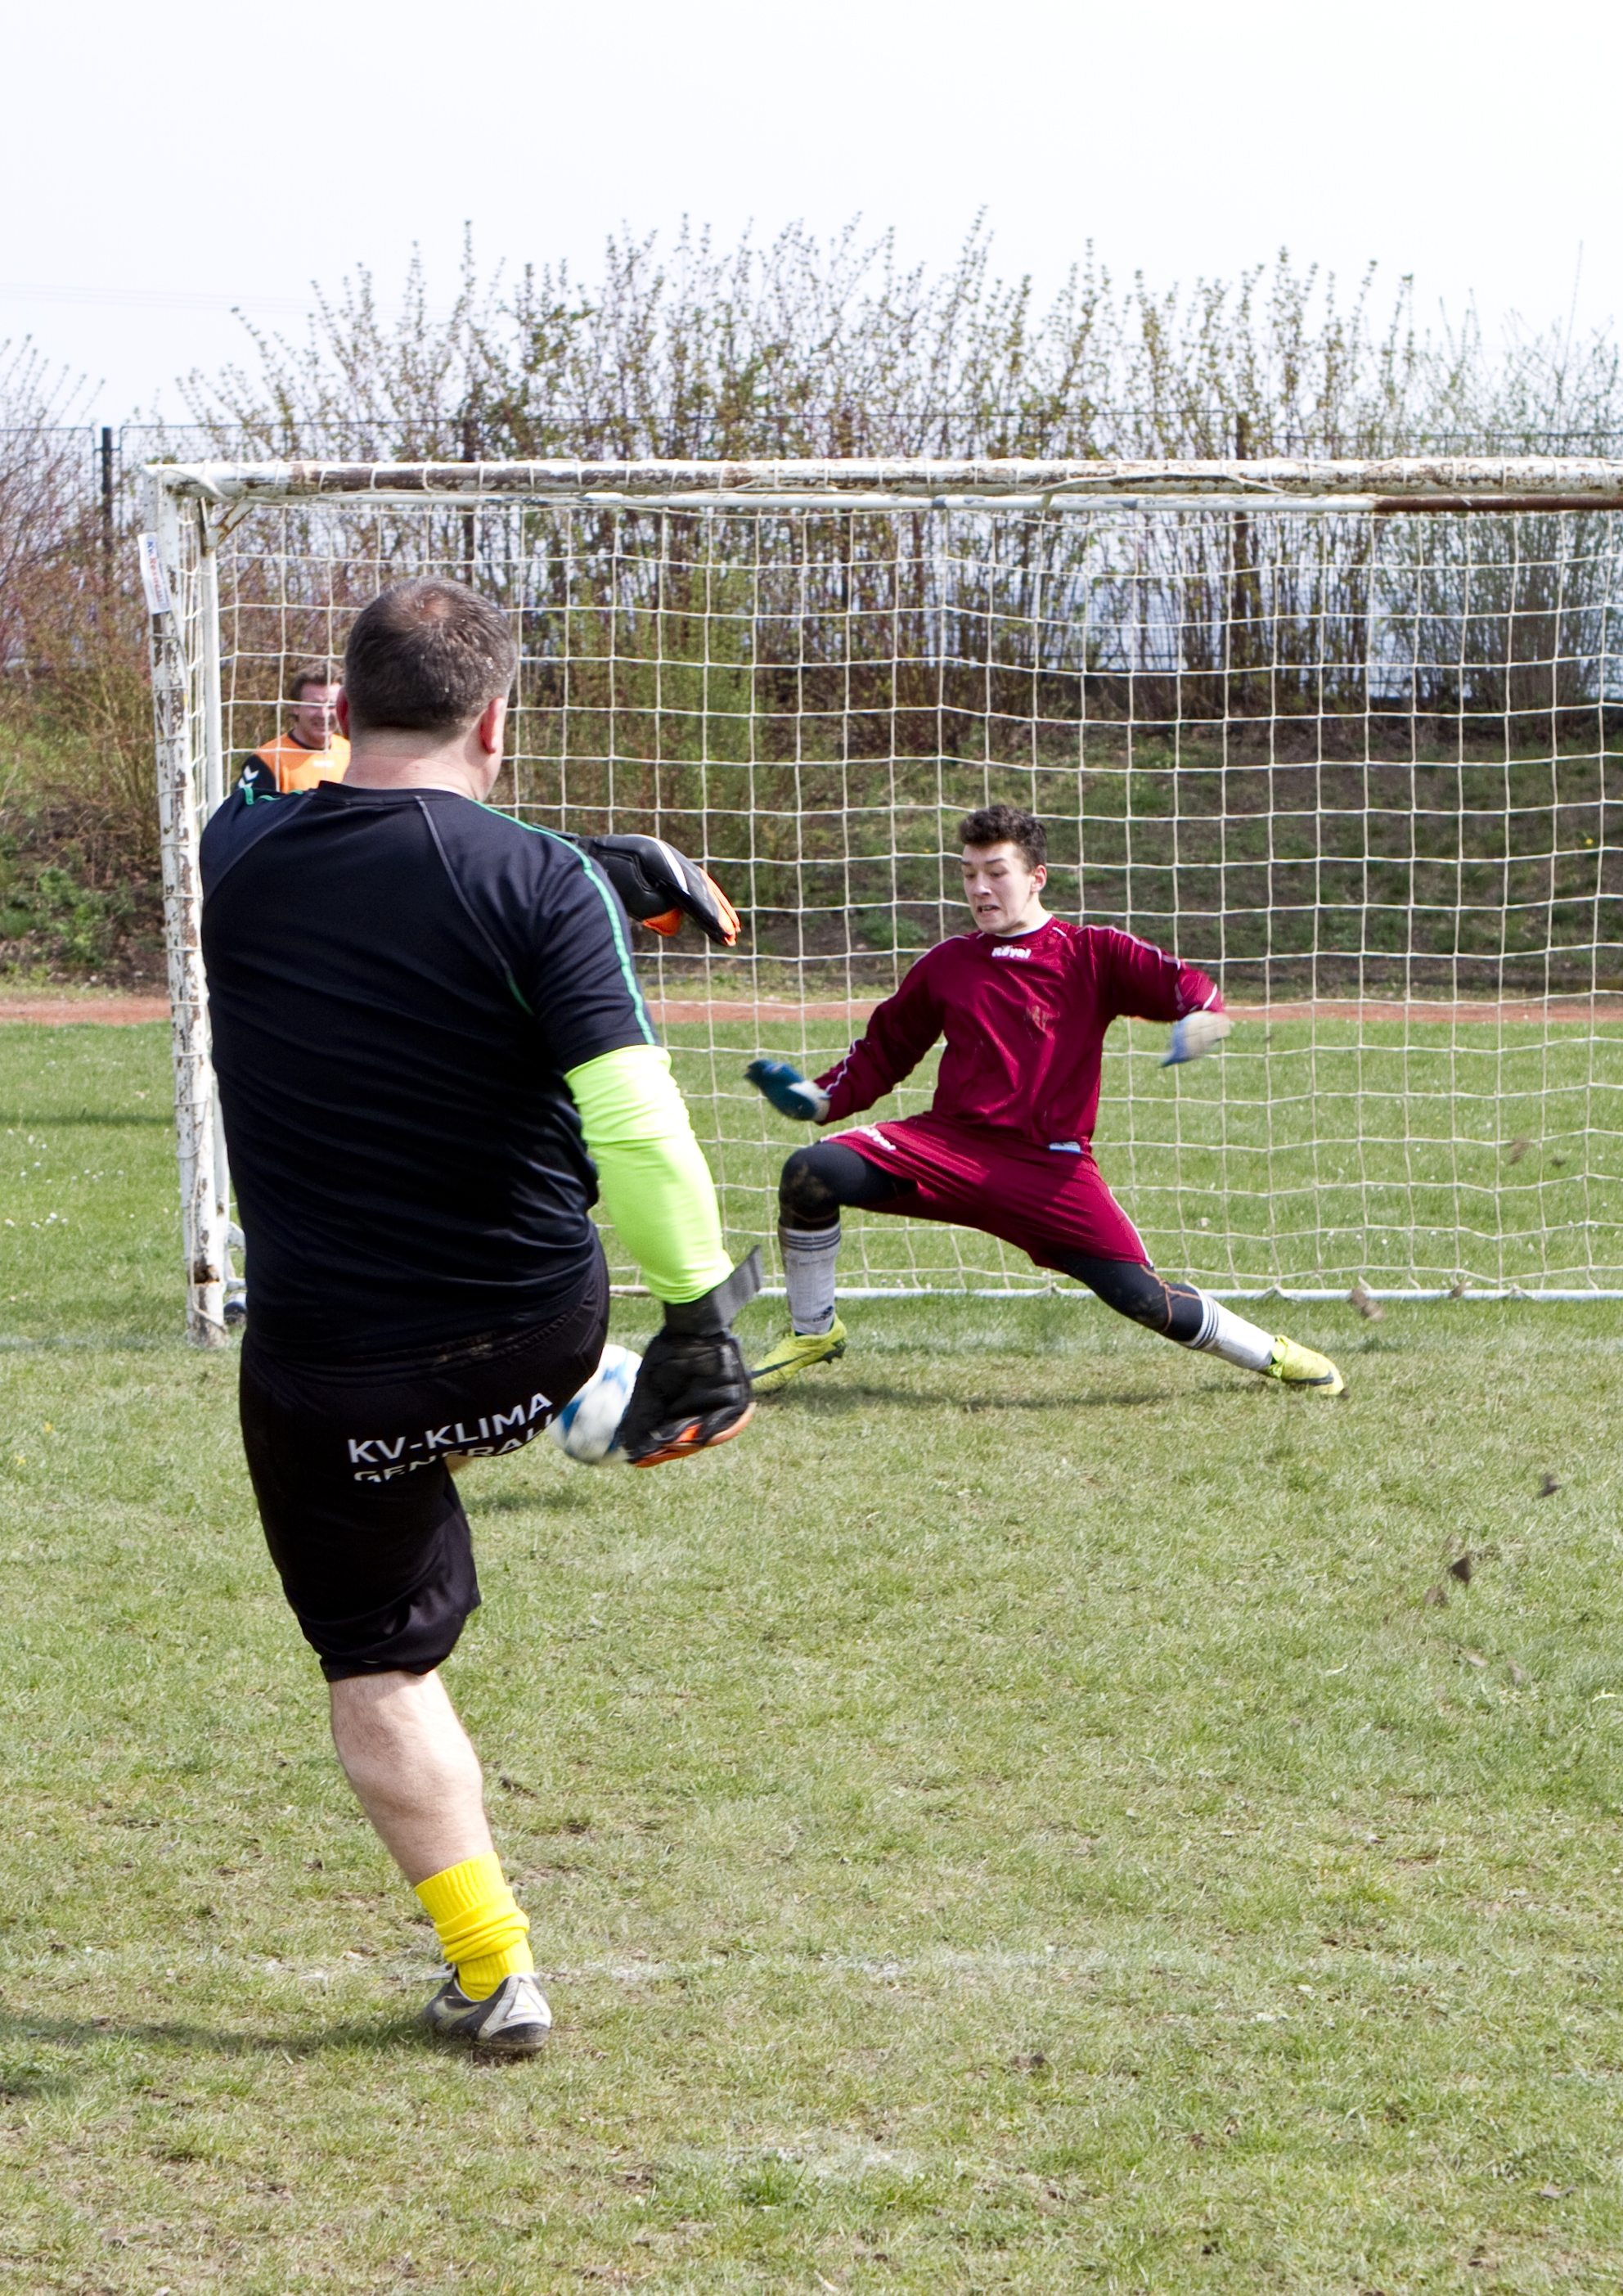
797 1353
1297 1366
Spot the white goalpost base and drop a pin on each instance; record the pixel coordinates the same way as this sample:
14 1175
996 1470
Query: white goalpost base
1343 732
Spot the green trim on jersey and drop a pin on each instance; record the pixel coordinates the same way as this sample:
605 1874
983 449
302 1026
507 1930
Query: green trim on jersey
656 1185
535 829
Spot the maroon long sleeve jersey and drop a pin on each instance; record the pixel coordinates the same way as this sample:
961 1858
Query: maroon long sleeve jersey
1024 1017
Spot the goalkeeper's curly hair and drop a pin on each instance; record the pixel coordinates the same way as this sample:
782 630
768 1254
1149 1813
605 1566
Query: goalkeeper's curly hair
1006 824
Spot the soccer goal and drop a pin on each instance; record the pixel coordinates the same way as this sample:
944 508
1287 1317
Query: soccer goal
1347 734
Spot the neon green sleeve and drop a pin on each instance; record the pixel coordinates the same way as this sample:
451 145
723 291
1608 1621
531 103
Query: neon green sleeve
655 1184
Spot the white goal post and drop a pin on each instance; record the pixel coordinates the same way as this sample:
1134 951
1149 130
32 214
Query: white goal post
1349 734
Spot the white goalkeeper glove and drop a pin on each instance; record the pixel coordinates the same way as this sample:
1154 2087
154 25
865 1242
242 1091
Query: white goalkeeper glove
1196 1034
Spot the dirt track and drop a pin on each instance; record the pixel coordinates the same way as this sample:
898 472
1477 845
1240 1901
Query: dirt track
125 1011
56 1011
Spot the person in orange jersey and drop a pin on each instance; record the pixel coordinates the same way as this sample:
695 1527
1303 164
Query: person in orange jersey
311 751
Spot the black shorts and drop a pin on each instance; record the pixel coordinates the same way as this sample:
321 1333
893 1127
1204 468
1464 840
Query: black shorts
348 1466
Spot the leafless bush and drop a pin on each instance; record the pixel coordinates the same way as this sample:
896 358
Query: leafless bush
75 711
807 345
43 466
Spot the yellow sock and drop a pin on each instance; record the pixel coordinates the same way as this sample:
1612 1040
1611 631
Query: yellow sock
482 1933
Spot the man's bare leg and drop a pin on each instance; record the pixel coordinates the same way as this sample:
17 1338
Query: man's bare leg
418 1779
413 1769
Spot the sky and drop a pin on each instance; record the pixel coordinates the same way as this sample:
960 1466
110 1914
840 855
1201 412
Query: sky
162 167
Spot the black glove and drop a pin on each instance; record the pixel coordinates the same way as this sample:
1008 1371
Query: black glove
659 886
694 1389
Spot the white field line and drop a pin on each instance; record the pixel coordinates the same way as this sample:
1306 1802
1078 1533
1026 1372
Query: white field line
996 1964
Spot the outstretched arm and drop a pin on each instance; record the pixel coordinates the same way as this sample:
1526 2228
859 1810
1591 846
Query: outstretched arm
693 1389
899 1033
660 886
655 1184
1147 983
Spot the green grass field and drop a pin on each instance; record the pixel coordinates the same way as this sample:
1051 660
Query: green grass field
1013 1821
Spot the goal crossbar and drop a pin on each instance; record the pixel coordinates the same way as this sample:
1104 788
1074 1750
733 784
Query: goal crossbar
1409 483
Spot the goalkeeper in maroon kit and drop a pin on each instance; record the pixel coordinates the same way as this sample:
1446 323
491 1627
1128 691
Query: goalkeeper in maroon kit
1024 1001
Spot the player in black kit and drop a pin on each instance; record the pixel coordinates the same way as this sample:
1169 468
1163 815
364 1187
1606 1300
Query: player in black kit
432 1055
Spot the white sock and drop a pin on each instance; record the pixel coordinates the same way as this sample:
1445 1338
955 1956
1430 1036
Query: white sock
1223 1333
809 1254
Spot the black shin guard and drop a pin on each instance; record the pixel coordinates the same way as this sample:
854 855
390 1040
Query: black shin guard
818 1181
1175 1310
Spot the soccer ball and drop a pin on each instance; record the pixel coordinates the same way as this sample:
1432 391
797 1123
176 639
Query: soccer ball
586 1426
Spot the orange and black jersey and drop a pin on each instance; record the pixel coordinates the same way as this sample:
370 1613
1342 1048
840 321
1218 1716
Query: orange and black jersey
281 766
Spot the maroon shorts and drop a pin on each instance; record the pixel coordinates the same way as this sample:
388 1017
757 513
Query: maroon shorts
1050 1202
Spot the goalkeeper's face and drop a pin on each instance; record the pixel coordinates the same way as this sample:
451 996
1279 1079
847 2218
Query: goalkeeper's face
1004 895
311 720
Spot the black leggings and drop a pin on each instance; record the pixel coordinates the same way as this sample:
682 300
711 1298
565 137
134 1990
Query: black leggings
818 1180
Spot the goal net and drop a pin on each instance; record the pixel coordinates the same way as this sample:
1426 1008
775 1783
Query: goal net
1339 733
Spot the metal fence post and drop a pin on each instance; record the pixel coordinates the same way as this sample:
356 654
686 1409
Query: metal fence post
109 523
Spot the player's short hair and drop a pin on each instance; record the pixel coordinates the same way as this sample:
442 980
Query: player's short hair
426 657
311 673
1006 824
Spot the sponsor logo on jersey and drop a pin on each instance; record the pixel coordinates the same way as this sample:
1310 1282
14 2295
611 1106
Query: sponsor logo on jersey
1005 948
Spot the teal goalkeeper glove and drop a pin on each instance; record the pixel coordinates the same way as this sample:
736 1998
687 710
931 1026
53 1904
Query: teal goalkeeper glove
1196 1034
788 1090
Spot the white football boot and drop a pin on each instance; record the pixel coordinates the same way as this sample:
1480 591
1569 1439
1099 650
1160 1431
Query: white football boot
513 2021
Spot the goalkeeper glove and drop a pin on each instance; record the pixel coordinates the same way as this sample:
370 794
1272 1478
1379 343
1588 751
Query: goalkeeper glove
788 1090
693 1389
1196 1034
659 886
